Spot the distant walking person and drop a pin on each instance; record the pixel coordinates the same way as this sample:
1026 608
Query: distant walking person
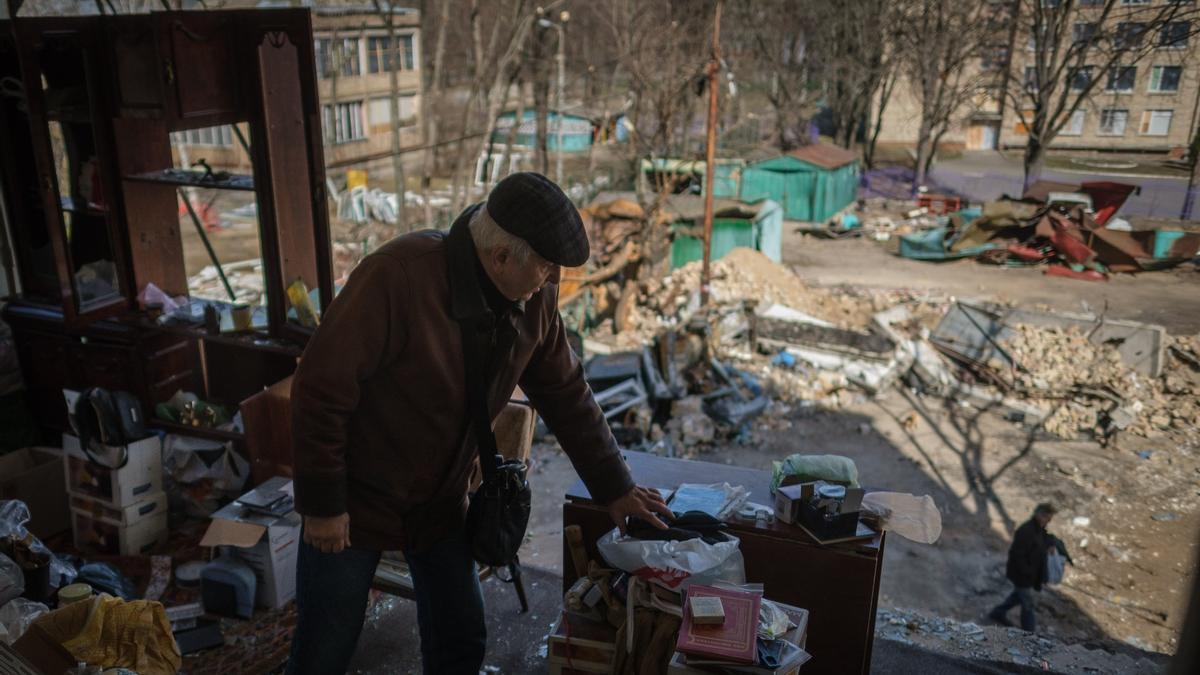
1027 566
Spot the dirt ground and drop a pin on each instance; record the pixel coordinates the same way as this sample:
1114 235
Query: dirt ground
1170 298
1129 519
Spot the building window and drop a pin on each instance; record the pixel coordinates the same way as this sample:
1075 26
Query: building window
343 122
994 58
1112 121
1081 78
1174 34
1121 78
1129 35
323 50
1156 122
1090 3
1165 78
379 113
1083 32
383 58
1074 127
1134 2
1031 78
349 58
218 137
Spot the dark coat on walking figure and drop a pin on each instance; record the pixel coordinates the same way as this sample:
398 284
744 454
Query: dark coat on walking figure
1027 555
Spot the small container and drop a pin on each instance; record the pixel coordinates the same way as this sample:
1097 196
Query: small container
73 593
242 316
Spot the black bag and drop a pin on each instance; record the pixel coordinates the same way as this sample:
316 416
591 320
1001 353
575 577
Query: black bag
113 418
499 510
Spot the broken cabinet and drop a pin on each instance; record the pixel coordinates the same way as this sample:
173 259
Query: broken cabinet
100 196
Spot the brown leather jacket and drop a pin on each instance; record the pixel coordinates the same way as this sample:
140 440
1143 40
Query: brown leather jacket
379 408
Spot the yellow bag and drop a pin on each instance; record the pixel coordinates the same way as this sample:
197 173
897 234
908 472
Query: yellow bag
112 633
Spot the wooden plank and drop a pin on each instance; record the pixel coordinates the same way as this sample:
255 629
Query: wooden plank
287 154
152 211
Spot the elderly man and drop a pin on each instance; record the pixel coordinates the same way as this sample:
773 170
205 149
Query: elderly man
383 446
1026 567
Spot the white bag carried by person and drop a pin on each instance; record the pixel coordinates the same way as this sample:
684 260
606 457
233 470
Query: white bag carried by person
675 565
1056 567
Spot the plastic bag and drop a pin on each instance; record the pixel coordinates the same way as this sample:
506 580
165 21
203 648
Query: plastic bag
832 468
16 615
1056 567
110 632
105 578
912 517
202 474
13 516
675 564
12 579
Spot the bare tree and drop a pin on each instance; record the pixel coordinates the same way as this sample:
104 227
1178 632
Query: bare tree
430 98
774 37
391 61
939 43
853 50
1074 46
662 48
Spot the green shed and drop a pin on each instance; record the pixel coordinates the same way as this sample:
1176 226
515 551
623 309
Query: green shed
811 183
735 224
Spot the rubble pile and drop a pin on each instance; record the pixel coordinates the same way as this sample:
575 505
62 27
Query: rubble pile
245 277
1091 381
1011 646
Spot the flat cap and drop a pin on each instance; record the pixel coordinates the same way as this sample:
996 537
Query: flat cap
530 206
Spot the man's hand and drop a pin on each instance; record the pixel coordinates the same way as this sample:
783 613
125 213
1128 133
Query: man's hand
328 535
643 503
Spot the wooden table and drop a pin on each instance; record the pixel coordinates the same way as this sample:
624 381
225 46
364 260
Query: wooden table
838 584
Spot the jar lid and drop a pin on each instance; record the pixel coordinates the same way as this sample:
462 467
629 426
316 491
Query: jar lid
832 491
74 593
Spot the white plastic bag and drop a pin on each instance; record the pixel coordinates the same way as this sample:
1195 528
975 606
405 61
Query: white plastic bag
1056 566
16 615
675 564
12 579
912 517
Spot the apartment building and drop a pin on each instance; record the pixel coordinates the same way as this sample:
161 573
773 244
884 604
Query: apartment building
1148 106
354 61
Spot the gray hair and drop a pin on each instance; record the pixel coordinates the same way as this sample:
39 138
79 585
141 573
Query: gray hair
488 235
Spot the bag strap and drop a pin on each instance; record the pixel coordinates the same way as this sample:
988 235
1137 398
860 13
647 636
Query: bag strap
473 362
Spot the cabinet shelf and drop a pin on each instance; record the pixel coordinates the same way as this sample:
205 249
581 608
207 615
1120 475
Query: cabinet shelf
197 179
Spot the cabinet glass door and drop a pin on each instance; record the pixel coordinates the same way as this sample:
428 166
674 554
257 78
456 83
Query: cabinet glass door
75 138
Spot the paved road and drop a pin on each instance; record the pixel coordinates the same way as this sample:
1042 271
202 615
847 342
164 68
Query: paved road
984 176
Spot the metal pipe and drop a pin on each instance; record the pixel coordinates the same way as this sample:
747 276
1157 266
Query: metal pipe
208 245
714 65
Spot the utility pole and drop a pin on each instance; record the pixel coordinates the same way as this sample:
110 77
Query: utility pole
710 150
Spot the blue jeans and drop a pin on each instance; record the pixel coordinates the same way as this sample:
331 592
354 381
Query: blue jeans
1024 597
331 598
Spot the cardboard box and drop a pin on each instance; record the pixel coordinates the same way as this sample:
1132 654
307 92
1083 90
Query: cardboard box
270 545
136 529
109 481
34 476
787 503
582 644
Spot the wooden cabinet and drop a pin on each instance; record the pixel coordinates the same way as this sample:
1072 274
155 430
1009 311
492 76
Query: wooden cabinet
95 193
